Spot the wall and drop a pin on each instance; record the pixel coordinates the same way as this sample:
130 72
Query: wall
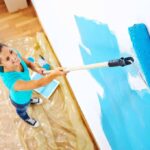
115 101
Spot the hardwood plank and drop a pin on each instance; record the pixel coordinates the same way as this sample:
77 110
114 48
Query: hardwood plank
18 24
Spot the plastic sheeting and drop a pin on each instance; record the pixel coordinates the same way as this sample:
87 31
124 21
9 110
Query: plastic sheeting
61 125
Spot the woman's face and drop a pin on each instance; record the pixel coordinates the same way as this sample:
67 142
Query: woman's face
9 58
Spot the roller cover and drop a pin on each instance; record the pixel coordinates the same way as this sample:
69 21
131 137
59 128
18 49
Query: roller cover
141 42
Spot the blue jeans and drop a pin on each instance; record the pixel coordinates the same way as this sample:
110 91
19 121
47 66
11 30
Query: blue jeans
21 110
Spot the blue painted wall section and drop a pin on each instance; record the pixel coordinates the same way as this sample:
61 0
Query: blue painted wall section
141 42
125 112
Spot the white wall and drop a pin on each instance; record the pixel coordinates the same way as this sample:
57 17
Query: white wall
57 18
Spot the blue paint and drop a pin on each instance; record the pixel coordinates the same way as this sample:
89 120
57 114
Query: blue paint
141 42
46 66
125 113
31 59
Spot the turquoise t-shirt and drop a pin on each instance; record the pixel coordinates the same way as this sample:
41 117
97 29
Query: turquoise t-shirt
10 78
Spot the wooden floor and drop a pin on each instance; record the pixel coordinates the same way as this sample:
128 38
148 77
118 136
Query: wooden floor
18 24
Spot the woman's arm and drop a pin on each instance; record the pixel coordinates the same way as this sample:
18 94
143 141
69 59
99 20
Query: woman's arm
33 66
33 84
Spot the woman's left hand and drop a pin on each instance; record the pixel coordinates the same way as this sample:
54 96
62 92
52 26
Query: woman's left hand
41 71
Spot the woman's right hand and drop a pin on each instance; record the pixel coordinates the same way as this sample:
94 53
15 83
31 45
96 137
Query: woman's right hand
59 71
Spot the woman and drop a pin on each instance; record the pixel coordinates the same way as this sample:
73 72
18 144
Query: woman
15 75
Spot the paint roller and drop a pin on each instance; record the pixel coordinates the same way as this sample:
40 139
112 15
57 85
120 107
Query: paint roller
140 38
112 63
